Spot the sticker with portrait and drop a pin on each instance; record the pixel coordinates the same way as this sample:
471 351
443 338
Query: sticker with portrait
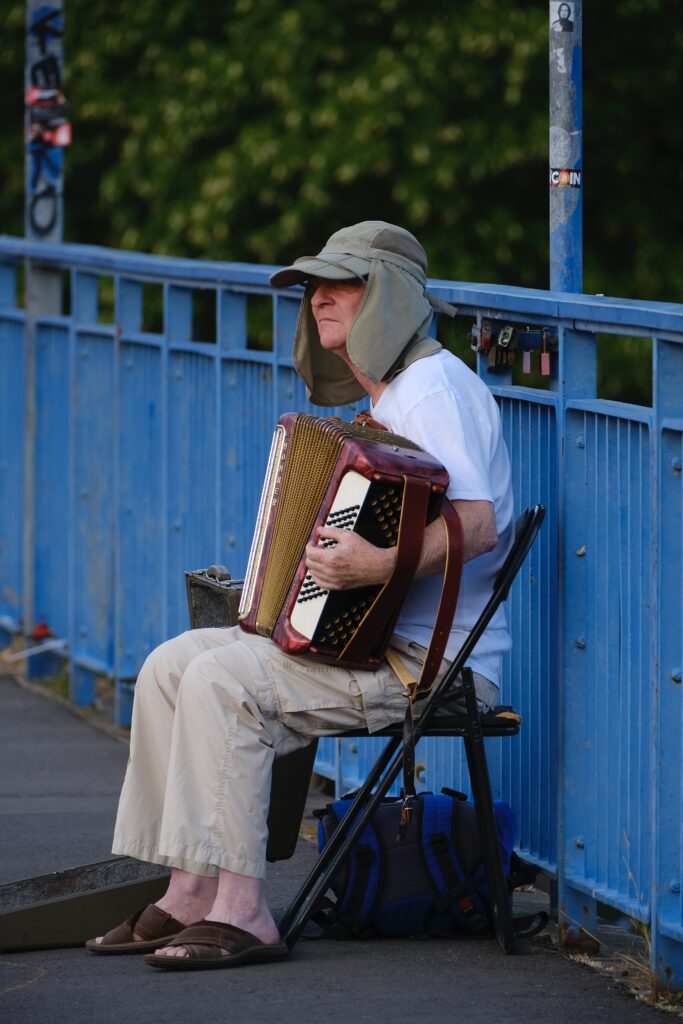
561 17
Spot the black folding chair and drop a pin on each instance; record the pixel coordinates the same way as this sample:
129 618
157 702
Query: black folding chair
472 726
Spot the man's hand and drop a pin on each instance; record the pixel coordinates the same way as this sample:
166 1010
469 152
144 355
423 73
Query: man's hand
352 562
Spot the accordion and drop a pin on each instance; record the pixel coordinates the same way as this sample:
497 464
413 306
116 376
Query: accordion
325 472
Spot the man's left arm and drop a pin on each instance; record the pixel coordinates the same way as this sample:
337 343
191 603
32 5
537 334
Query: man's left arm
479 531
354 562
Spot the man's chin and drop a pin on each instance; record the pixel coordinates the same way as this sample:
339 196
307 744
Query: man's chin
331 342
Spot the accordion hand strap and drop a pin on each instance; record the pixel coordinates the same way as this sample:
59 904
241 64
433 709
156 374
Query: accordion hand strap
442 627
408 551
446 609
450 589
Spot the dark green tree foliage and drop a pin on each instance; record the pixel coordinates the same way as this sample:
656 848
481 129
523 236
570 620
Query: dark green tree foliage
633 148
250 129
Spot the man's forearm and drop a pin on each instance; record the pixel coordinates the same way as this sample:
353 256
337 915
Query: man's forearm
479 535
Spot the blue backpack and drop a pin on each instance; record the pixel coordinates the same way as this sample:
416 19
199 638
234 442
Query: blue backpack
425 879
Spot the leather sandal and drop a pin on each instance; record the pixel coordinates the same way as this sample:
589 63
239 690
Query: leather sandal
154 926
210 944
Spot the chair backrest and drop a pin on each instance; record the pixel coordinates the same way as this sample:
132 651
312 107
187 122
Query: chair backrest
526 528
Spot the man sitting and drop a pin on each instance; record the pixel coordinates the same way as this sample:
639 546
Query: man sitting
214 707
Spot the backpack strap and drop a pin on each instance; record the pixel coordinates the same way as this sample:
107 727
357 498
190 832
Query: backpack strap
356 909
350 915
458 892
527 925
456 888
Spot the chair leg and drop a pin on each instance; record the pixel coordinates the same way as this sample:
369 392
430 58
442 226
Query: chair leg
289 787
486 820
302 906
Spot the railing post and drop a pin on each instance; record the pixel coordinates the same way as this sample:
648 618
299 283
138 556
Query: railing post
565 149
84 309
43 297
577 379
667 665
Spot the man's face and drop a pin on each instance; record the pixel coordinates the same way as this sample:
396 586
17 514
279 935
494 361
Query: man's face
334 305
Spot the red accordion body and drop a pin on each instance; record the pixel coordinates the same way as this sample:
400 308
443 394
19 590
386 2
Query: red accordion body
323 471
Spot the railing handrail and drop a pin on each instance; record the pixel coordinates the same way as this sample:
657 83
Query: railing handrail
589 312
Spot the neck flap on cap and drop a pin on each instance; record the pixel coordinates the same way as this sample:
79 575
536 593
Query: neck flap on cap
391 328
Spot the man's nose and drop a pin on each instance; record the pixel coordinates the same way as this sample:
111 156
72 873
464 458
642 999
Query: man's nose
321 294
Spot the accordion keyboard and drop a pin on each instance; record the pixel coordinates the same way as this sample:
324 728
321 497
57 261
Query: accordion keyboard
344 513
372 509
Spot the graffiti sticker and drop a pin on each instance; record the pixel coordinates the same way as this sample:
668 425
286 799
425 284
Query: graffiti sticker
47 121
48 129
561 177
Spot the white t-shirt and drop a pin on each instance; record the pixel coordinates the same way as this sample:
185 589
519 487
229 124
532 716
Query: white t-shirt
445 408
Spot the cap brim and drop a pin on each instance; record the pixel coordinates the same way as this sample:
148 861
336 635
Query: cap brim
338 267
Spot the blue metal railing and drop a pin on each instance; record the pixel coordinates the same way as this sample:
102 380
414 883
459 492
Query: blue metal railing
146 458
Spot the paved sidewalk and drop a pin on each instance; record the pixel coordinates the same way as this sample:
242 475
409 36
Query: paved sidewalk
60 782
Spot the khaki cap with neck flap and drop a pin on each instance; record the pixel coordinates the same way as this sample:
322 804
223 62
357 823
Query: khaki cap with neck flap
391 328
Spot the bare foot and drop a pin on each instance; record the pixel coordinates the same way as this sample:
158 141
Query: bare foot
188 899
240 901
264 930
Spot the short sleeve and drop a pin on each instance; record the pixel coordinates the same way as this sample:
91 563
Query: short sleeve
460 431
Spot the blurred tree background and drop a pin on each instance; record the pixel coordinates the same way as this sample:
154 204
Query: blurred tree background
251 129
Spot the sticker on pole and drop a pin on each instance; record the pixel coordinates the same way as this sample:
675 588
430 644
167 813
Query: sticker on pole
562 177
47 118
561 17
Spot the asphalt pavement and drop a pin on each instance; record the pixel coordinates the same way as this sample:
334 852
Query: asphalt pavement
60 780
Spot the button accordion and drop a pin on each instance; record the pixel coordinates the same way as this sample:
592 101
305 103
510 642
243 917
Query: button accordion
356 476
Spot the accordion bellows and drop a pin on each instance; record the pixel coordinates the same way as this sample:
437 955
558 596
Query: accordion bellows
323 471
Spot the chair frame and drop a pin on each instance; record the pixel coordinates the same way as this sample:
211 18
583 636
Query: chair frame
472 727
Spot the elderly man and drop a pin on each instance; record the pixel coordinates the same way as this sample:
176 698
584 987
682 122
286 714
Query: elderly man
214 707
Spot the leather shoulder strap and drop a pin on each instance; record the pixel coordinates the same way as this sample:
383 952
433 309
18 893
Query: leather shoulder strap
450 588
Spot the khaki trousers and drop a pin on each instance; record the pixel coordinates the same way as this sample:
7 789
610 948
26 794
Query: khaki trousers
212 709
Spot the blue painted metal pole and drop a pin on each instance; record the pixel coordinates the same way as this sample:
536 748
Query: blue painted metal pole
566 147
577 909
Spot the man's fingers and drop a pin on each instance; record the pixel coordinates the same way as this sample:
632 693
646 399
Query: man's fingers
328 538
332 533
